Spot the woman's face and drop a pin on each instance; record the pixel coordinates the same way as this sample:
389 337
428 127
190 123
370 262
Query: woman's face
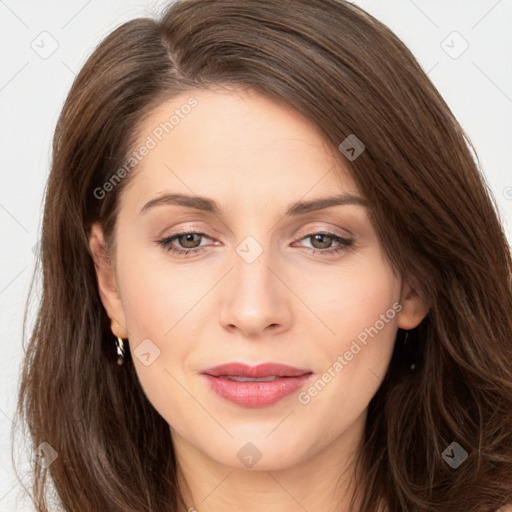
265 279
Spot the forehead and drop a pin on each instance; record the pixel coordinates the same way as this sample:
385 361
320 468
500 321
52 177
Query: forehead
235 140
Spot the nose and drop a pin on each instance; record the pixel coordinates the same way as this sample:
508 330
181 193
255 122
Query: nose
255 300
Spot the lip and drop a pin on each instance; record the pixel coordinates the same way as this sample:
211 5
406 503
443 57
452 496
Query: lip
255 394
261 370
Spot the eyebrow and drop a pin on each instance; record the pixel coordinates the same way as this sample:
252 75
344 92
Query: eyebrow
210 206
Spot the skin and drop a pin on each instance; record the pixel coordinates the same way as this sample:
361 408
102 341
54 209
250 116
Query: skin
254 157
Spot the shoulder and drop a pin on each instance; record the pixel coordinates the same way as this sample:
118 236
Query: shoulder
506 508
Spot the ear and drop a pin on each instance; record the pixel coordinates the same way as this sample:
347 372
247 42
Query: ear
107 282
414 307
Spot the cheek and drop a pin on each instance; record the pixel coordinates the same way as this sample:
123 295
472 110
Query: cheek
360 305
351 297
367 320
159 305
156 297
155 307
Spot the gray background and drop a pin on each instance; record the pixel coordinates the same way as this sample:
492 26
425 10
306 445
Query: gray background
44 45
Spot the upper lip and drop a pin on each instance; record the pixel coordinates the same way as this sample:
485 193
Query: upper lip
261 370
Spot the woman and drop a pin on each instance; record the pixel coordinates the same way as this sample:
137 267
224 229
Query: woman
267 284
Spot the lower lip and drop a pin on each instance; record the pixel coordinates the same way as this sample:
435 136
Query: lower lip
256 394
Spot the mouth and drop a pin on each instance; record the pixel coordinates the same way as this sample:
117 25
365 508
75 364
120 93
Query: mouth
250 379
256 386
261 371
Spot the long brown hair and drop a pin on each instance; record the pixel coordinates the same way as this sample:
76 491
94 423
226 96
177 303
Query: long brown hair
348 74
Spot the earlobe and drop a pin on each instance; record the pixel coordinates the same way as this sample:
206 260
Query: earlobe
106 281
414 308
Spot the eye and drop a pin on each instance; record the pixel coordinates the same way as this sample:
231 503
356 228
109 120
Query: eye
190 243
322 242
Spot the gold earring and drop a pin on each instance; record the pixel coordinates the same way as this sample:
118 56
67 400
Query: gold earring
120 350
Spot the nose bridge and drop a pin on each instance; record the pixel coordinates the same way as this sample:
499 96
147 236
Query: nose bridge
255 298
251 269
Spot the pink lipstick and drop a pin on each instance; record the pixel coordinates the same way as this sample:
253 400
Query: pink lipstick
255 386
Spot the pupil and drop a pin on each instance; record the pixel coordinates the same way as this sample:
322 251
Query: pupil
189 238
319 239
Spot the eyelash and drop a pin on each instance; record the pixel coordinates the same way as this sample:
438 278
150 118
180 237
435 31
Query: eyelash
345 243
